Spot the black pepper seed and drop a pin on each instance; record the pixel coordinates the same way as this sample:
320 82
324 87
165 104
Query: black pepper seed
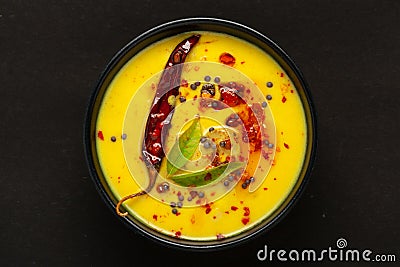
207 145
214 104
269 84
222 143
207 78
244 185
217 79
226 182
165 186
269 97
264 104
266 142
123 136
193 86
179 204
182 99
197 83
174 211
270 145
211 129
189 198
201 194
230 178
181 197
203 139
213 146
252 179
172 204
113 138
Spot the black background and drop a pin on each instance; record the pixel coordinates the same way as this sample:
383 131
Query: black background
53 52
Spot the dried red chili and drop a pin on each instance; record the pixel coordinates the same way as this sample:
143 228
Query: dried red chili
161 112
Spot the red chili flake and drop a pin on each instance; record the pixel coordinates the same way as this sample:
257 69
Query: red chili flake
286 145
206 50
265 154
265 188
196 68
242 62
282 74
278 149
178 233
234 208
184 83
208 210
155 217
153 86
214 217
245 220
207 177
283 99
227 59
212 194
193 219
220 236
178 213
246 211
227 212
100 135
274 179
241 202
292 91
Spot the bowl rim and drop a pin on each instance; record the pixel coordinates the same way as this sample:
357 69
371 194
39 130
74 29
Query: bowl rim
159 32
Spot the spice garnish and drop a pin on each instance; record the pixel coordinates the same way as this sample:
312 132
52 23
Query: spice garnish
161 113
205 176
184 148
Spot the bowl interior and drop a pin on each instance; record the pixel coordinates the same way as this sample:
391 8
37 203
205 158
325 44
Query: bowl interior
159 33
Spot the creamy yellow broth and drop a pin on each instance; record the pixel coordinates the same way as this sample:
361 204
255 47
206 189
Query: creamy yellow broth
237 210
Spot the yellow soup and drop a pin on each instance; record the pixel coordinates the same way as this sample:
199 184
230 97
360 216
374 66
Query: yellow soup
122 118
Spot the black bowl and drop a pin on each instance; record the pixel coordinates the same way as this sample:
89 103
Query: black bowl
167 30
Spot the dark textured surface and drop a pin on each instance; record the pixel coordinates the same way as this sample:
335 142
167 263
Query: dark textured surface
51 55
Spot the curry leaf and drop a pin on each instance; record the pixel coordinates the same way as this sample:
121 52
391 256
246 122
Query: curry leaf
184 148
205 176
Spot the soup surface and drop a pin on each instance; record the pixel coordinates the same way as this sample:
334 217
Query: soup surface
259 164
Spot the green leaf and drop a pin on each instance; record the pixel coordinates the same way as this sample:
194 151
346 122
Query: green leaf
184 148
206 176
